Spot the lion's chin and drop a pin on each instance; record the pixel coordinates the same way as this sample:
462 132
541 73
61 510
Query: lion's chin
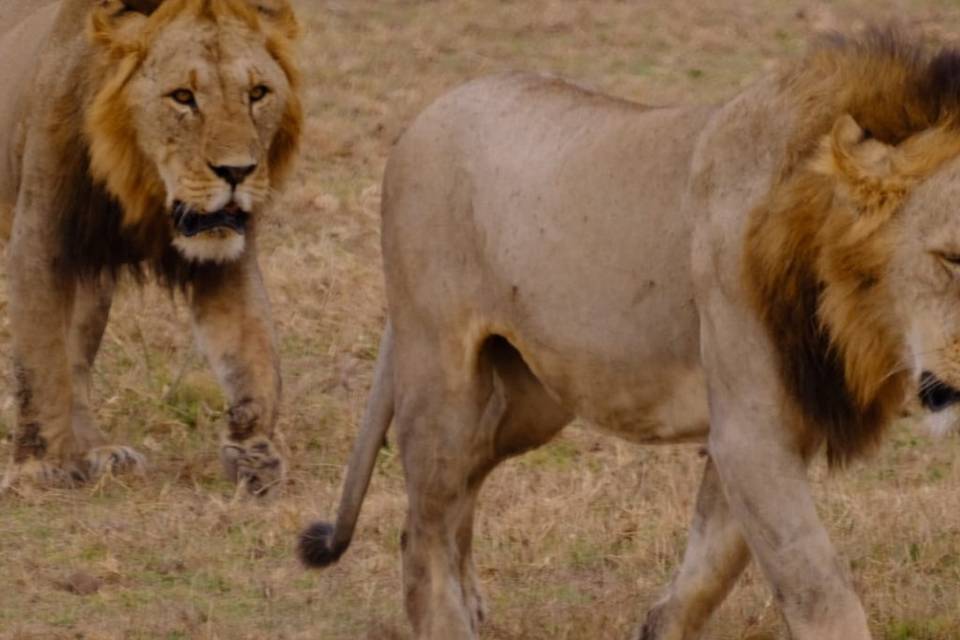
942 423
217 237
217 246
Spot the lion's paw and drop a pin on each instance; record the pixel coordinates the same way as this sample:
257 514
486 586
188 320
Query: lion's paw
43 474
254 464
114 459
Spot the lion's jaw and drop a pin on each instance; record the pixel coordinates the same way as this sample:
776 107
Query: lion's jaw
216 237
209 222
210 107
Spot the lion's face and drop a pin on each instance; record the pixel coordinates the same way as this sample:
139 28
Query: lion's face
925 282
210 105
209 102
890 258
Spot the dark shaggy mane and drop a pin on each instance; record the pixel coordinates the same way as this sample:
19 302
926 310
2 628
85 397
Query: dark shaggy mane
788 288
95 242
940 86
893 88
901 86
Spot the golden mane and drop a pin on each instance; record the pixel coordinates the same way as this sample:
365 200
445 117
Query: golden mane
115 157
877 116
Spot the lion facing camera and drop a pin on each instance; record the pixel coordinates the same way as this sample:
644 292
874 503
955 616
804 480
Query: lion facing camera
142 135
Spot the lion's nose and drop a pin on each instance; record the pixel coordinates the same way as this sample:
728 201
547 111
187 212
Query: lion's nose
935 394
233 175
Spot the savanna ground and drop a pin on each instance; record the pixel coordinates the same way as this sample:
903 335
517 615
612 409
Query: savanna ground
574 540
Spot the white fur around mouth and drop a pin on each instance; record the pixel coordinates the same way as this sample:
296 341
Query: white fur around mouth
217 246
942 423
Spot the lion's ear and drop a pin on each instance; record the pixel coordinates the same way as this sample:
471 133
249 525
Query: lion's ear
851 154
279 14
865 174
867 169
115 25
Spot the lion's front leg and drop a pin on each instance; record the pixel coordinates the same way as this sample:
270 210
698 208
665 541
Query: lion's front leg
232 321
760 447
44 447
92 299
716 554
91 309
770 495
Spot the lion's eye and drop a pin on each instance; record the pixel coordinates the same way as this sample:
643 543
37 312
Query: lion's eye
259 92
949 258
184 97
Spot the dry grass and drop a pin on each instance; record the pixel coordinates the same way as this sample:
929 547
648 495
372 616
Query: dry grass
575 539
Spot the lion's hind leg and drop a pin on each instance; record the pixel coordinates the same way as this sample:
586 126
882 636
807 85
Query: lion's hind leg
451 437
528 417
441 443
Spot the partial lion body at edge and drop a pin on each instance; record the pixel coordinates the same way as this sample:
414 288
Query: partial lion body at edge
102 172
769 276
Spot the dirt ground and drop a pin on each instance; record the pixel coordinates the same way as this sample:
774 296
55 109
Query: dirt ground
574 540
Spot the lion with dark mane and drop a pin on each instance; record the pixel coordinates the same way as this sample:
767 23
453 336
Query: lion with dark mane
141 135
773 276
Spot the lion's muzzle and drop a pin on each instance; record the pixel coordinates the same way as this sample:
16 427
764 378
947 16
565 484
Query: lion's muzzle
189 222
935 394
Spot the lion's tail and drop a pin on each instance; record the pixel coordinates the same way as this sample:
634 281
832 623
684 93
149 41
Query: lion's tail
322 544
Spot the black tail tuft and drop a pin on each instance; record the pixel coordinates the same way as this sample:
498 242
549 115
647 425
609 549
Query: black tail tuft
316 547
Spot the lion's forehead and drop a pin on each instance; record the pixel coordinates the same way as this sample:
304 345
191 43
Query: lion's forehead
204 52
934 204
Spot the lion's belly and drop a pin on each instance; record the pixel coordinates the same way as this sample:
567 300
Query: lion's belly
622 351
638 396
604 315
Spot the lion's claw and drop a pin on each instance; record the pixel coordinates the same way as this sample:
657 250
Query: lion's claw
43 473
114 459
255 464
75 472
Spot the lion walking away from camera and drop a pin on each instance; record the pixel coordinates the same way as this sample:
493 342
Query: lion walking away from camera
145 135
772 276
